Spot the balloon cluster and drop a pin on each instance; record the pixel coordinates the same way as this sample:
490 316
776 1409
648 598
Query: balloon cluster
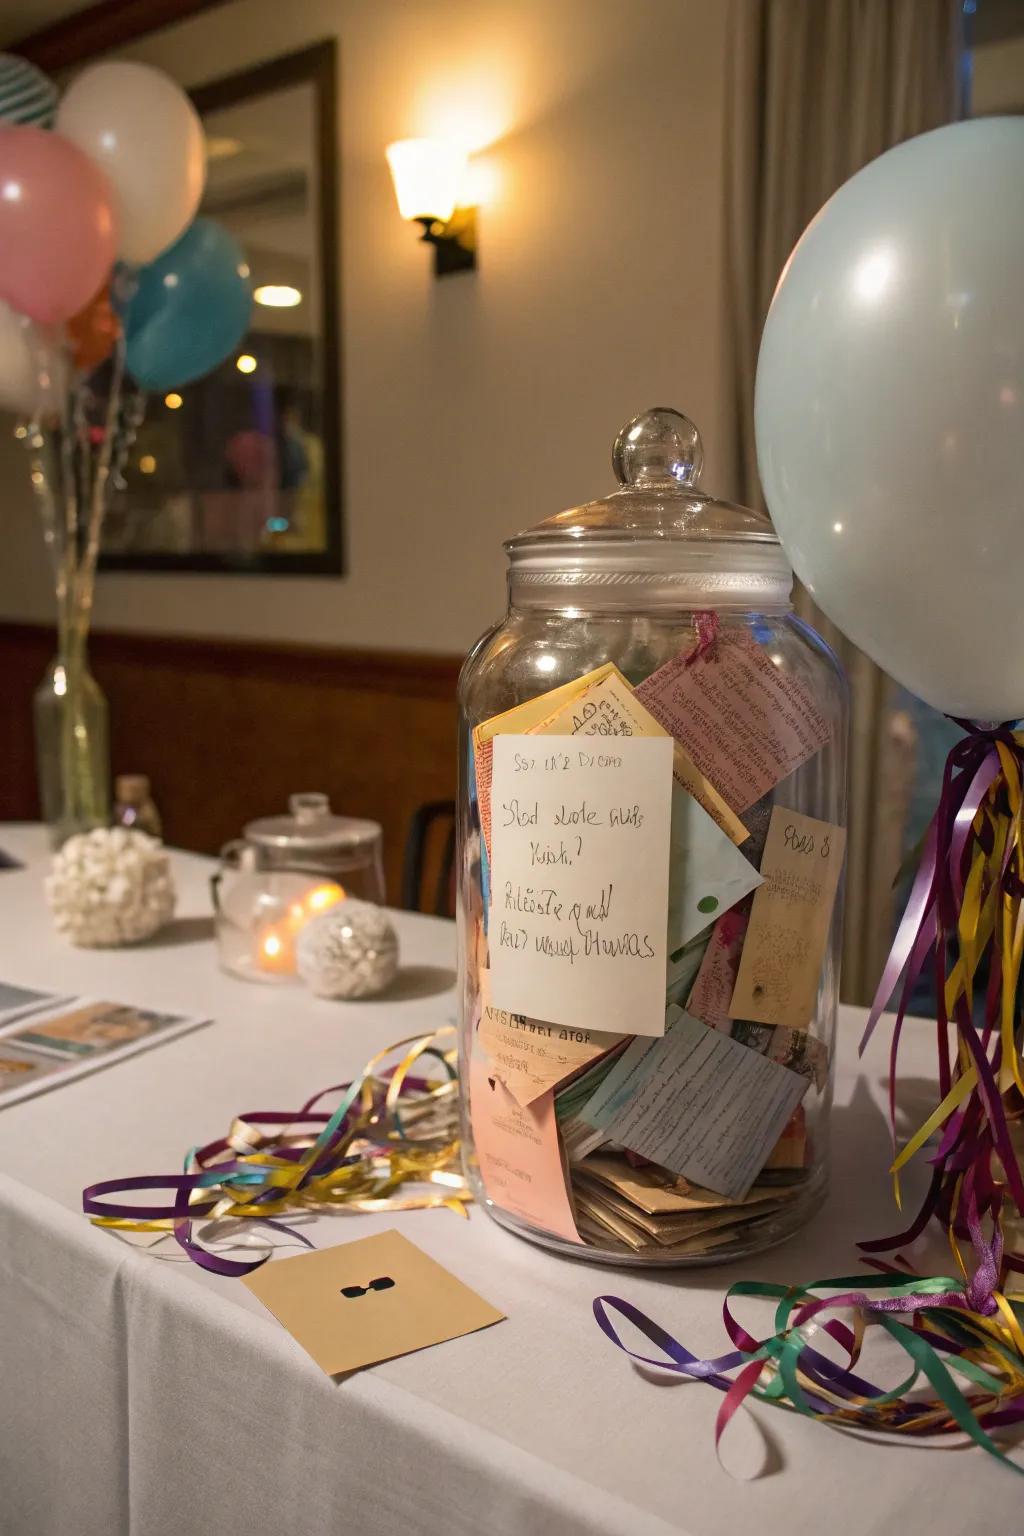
98 235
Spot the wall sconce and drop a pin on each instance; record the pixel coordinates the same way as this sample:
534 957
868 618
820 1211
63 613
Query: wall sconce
428 175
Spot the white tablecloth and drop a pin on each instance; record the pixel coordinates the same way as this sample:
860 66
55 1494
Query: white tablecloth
143 1395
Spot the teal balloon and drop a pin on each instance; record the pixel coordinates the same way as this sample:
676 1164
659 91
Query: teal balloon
27 96
189 310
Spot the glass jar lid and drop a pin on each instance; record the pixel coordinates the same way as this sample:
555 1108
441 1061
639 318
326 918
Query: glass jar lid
311 828
659 528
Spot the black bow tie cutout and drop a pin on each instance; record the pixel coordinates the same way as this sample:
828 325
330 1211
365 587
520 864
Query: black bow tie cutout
384 1283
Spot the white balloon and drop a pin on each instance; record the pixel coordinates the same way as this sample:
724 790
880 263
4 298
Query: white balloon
889 414
139 126
32 373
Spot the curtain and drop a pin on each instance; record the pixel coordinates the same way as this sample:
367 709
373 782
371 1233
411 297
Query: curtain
816 89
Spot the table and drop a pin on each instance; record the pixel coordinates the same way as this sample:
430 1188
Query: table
144 1395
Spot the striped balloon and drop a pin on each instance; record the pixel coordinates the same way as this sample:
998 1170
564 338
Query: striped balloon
26 95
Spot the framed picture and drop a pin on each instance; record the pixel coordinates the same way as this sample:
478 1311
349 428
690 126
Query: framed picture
242 471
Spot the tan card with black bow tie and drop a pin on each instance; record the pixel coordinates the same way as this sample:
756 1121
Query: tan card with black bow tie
367 1301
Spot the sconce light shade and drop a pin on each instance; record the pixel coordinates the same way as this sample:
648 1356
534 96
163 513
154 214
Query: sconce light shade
428 175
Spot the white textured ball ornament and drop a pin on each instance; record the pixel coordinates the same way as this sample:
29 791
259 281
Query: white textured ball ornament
111 886
350 951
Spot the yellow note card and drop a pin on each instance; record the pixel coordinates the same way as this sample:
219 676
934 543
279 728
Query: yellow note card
358 1303
780 967
529 1056
610 707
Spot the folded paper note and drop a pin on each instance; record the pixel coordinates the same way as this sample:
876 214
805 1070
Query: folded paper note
780 967
362 1302
707 873
518 1154
746 722
580 880
530 1056
707 1108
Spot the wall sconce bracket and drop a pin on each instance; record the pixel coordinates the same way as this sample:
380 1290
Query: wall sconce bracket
454 242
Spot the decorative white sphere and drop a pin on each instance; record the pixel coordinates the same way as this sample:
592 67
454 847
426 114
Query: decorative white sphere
350 951
110 886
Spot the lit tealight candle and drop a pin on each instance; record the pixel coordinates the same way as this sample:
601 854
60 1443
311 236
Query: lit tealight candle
321 897
275 943
276 951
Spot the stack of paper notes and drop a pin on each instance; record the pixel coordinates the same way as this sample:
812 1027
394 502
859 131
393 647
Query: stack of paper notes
648 930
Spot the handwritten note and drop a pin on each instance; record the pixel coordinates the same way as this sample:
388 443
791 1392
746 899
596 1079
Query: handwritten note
518 1154
579 880
780 967
707 1108
746 722
530 1056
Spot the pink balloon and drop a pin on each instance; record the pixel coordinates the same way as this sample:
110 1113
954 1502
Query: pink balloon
58 231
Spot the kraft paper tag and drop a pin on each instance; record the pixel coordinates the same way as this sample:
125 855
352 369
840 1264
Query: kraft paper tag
529 1056
780 966
746 723
362 1302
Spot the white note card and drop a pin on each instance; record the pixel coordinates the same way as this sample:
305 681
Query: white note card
707 1108
580 832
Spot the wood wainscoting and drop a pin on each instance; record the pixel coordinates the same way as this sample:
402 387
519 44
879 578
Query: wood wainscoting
227 729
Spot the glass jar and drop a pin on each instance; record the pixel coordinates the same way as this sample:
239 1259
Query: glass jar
658 611
284 871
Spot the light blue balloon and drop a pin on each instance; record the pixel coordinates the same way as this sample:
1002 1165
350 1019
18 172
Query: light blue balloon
189 310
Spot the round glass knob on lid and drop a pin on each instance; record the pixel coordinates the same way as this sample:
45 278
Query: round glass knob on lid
659 447
659 529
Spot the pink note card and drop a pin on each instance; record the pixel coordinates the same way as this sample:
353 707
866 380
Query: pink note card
745 721
712 991
518 1152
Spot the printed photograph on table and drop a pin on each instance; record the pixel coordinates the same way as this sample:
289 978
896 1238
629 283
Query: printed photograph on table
61 1042
651 841
86 1030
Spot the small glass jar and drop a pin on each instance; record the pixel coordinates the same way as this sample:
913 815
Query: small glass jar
284 871
134 805
657 572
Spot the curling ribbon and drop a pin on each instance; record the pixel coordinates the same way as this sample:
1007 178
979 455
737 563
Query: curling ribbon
390 1129
928 1319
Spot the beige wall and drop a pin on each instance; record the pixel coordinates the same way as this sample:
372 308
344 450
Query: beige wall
476 405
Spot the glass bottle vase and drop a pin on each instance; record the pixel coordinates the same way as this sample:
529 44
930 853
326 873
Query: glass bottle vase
72 749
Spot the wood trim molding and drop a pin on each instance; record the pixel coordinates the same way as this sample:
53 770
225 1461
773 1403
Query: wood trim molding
413 673
102 27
